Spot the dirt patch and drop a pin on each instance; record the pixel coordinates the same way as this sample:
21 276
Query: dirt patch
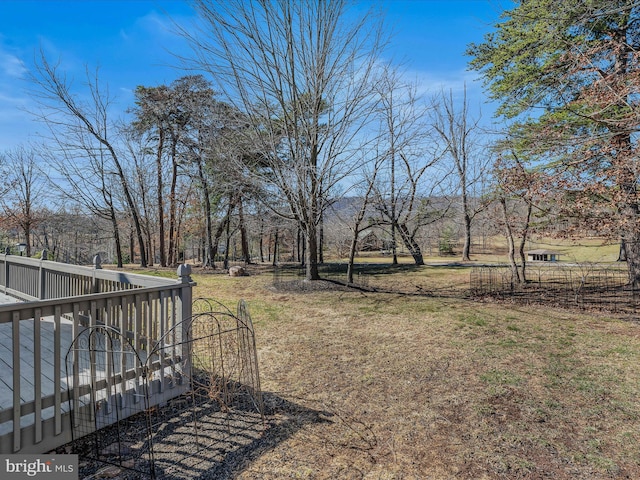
302 286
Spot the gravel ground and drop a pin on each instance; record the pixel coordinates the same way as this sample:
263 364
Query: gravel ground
208 441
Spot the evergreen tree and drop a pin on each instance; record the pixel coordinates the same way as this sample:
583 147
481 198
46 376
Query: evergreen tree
567 75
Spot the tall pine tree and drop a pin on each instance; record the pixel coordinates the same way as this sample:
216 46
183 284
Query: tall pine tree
568 76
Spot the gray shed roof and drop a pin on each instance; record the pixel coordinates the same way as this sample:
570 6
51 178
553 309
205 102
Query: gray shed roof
542 251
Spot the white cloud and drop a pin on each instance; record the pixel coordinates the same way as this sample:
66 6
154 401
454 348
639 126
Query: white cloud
10 99
153 26
156 23
429 83
15 123
11 66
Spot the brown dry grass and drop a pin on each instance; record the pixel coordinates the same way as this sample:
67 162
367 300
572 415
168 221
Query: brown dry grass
390 386
494 250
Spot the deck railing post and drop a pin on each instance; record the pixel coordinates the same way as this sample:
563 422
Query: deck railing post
186 299
7 251
97 265
184 272
41 276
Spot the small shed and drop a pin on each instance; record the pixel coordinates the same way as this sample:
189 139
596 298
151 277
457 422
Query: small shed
542 255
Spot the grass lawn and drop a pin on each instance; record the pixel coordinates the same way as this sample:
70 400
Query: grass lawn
407 386
581 251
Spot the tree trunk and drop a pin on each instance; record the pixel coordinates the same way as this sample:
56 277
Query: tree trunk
411 244
352 252
632 249
116 236
132 252
275 248
216 238
150 245
227 243
312 211
244 241
261 243
179 253
160 198
466 249
209 254
224 226
321 240
172 257
622 254
311 255
523 242
45 236
27 238
304 250
515 274
76 260
394 243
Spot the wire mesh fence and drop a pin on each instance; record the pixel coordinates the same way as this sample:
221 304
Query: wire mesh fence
584 286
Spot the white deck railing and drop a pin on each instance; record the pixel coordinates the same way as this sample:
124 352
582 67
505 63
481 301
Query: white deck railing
57 301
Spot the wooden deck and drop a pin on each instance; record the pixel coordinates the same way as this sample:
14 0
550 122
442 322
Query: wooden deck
75 307
89 371
27 363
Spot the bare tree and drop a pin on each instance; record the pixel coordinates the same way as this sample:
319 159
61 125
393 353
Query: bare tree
300 72
141 171
24 196
356 224
401 193
519 192
78 125
154 111
82 176
72 235
208 201
459 134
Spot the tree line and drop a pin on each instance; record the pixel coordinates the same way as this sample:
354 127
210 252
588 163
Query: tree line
294 110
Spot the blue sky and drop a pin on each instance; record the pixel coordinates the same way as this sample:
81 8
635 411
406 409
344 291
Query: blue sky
131 41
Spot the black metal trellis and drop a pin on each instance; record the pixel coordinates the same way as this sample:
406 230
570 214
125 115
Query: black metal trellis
191 394
108 386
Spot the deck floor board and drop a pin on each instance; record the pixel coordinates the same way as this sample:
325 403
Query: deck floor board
27 357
